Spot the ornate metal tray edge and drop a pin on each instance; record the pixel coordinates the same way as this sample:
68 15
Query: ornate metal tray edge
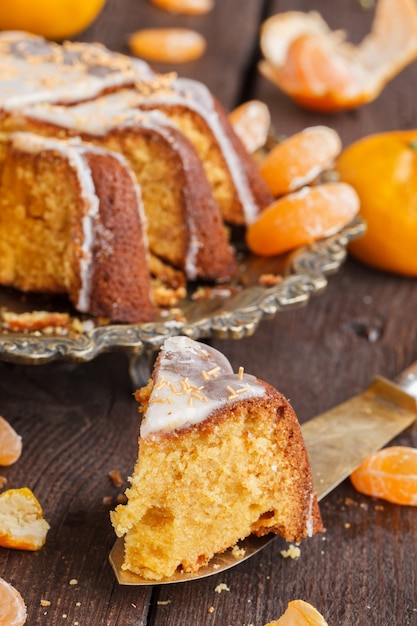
235 317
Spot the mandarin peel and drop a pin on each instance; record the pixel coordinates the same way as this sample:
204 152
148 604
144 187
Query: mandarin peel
22 525
302 217
12 606
10 443
389 474
322 71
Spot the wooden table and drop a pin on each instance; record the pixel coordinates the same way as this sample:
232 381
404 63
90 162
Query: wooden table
79 421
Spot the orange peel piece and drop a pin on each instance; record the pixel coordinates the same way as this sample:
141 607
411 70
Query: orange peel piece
302 217
251 122
322 71
300 613
390 474
12 606
299 159
10 443
22 525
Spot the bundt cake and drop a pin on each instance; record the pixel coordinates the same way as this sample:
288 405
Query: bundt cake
221 456
185 226
37 71
71 221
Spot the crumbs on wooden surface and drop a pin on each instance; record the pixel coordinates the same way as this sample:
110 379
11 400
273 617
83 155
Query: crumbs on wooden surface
293 552
116 478
238 552
221 587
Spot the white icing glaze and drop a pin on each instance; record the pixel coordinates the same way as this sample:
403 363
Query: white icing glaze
28 70
116 111
74 153
192 381
35 70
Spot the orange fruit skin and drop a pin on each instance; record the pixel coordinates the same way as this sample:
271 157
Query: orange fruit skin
53 19
12 606
300 613
302 217
299 159
10 443
390 474
383 170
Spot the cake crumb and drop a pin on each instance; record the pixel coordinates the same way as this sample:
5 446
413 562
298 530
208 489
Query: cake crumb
347 524
121 499
107 501
73 581
163 602
238 553
293 552
221 587
116 478
3 481
45 602
210 609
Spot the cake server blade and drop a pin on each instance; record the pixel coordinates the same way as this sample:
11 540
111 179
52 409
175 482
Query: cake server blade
337 442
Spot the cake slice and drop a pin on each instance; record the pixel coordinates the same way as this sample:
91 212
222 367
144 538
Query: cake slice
221 456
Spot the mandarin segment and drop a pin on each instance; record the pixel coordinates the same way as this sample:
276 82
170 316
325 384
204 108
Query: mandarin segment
300 613
302 217
299 159
22 525
10 443
12 606
390 474
251 122
167 45
322 71
185 7
383 170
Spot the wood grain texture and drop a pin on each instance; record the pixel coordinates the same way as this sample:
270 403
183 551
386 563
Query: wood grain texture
79 422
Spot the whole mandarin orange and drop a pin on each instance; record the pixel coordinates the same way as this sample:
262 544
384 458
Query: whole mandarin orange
53 19
383 170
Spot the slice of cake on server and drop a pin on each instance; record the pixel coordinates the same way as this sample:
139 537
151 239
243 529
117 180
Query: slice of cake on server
221 456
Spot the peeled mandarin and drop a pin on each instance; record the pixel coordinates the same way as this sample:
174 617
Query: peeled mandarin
390 474
300 613
383 170
298 160
302 217
322 71
22 525
251 122
10 443
167 45
12 606
185 7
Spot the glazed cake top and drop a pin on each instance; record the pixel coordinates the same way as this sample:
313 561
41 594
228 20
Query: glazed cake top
191 381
